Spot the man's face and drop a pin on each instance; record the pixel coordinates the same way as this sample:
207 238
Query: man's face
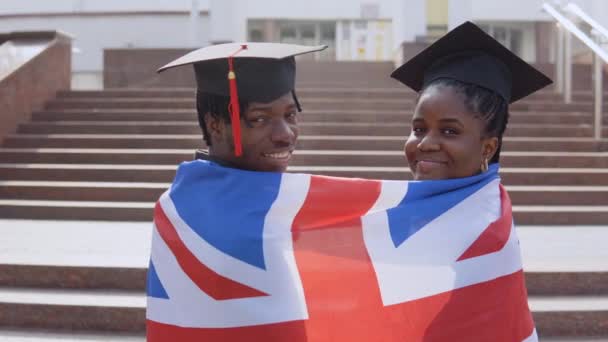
268 134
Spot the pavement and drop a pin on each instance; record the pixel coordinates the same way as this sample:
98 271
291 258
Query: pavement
127 244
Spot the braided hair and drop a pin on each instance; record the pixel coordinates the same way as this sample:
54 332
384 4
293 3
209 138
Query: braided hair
486 105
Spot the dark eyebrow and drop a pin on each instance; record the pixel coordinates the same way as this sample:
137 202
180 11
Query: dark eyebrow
451 120
267 108
259 107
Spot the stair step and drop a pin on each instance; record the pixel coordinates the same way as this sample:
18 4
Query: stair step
306 128
36 335
83 244
166 173
308 103
150 192
124 311
29 335
336 92
552 249
570 316
123 278
76 210
331 142
73 297
142 211
82 191
402 115
189 103
300 157
95 310
86 251
88 172
120 278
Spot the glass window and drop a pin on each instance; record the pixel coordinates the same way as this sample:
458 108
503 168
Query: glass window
515 42
500 34
288 34
256 35
361 25
328 31
300 32
255 30
307 34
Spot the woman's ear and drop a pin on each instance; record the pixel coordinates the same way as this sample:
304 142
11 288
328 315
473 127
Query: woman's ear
489 147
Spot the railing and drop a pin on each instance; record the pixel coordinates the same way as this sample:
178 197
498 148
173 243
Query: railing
566 29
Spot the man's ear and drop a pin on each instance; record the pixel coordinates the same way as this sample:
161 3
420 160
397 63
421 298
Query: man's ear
215 126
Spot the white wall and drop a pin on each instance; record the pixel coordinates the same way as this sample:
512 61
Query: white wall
229 17
108 24
66 6
122 26
599 11
94 33
115 23
459 11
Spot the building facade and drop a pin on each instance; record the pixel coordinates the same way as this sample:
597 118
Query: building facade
366 30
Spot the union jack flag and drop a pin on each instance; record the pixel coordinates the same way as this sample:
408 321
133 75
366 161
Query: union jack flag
253 256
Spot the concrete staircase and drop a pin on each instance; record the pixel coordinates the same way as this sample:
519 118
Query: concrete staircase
108 155
94 288
112 153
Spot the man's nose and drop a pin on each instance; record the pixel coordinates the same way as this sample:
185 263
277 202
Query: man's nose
283 132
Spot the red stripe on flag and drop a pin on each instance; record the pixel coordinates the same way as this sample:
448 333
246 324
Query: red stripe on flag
209 281
333 200
343 303
494 311
279 332
495 237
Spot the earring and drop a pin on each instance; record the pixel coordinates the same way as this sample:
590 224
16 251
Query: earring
484 165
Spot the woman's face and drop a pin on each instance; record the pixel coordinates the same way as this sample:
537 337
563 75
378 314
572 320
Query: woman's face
447 140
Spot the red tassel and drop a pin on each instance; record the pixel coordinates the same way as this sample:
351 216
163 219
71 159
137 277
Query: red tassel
233 107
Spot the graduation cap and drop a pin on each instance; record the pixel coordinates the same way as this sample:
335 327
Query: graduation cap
260 72
468 54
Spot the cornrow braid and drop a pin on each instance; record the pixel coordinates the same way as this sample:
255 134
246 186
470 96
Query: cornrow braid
487 105
217 107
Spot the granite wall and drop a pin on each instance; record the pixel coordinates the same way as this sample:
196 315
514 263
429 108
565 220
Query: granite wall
30 86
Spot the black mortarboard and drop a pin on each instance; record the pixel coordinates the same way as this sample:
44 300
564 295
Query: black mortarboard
470 55
259 72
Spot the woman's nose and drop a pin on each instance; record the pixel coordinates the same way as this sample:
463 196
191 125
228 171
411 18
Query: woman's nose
429 143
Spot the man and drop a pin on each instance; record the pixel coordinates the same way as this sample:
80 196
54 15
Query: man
246 103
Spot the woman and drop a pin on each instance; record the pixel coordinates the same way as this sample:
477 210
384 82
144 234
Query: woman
466 81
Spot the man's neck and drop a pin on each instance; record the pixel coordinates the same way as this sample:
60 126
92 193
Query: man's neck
210 156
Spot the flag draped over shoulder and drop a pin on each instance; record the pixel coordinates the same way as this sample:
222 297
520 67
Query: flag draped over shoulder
253 256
